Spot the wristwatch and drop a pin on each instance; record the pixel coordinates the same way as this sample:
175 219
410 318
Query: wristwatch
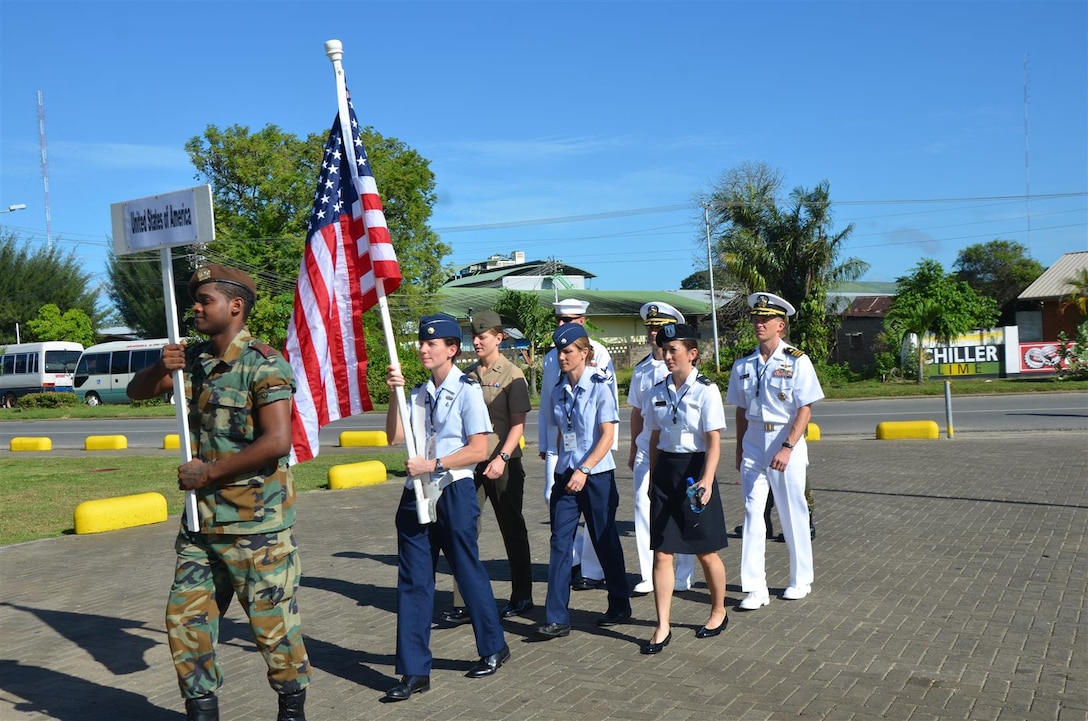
787 444
438 467
584 469
505 456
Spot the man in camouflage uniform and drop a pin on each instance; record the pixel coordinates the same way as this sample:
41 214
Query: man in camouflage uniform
238 391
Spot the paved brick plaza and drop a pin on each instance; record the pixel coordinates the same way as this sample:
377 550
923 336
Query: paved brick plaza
951 583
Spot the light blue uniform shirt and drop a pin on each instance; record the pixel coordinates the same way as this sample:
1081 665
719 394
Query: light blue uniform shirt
581 410
450 414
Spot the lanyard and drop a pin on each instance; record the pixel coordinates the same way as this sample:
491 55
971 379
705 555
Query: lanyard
760 373
570 409
679 397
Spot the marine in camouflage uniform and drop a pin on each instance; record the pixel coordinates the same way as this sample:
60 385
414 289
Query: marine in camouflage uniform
245 541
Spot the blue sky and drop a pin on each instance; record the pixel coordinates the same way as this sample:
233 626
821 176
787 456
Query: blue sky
579 130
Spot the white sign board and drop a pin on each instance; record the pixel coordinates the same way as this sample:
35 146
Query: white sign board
182 217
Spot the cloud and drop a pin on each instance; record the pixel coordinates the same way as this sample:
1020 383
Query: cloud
909 236
119 156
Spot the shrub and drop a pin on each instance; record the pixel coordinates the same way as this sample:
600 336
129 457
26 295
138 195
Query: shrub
48 400
832 375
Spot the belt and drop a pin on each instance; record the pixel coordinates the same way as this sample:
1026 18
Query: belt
768 427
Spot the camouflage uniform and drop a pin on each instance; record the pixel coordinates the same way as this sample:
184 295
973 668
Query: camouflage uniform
245 537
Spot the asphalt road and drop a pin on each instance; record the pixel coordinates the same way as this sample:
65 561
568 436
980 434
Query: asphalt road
970 414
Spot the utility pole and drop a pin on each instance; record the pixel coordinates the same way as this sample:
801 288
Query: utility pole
710 275
45 170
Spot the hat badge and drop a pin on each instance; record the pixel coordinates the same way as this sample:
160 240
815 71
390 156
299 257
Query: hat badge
203 274
761 302
430 330
670 331
652 311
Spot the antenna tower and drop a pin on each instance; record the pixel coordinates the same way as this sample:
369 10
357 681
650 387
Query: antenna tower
45 170
1027 160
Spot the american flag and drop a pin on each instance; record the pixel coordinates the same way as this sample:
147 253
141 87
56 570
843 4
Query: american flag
348 252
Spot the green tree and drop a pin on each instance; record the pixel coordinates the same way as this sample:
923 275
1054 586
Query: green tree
73 325
792 250
136 291
263 189
999 269
1077 295
534 320
931 301
30 279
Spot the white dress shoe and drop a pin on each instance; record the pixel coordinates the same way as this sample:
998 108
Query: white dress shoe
796 593
754 600
643 587
682 584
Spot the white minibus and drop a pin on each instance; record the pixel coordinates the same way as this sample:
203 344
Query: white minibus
36 368
104 370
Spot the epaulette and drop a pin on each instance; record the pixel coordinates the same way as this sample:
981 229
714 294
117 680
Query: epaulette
601 376
661 382
466 379
704 380
648 357
795 352
263 348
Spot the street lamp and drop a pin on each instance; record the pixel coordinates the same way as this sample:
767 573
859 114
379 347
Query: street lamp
13 208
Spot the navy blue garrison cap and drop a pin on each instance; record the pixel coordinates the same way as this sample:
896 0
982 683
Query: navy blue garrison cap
566 334
439 325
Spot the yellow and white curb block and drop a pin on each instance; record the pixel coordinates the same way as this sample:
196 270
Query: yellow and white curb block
812 432
26 443
907 430
171 442
110 514
352 475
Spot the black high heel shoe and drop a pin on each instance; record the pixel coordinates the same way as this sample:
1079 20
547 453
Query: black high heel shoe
705 632
651 648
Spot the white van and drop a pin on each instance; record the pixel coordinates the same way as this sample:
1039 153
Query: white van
36 368
104 370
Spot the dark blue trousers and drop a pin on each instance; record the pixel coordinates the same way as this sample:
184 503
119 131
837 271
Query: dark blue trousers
597 501
418 546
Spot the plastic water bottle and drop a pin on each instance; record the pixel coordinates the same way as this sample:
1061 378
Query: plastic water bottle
695 496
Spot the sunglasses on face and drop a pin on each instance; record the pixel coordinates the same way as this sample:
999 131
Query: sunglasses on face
561 319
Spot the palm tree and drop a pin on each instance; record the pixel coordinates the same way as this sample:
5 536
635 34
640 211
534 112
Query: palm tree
792 251
1077 295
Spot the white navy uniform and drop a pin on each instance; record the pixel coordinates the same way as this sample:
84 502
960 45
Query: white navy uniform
648 373
584 554
771 393
682 417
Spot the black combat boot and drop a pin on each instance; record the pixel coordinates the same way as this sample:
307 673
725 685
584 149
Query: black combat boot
205 708
292 706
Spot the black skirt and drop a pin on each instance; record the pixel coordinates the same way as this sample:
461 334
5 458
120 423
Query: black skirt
674 527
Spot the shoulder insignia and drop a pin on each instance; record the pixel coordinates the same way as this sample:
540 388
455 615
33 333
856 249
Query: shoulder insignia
661 382
795 352
704 380
466 379
648 357
263 348
601 376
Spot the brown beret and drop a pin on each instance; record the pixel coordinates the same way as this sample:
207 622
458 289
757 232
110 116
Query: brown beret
485 320
216 273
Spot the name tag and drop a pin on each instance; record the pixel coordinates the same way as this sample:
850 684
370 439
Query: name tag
570 440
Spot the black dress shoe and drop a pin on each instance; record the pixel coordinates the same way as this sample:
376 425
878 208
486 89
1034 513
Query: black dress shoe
552 630
780 538
651 648
705 632
456 616
408 685
517 608
588 584
614 618
488 665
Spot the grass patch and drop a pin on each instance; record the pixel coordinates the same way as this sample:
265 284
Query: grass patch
38 496
973 386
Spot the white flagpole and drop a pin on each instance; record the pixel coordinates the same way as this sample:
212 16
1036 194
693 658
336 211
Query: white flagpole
181 406
335 50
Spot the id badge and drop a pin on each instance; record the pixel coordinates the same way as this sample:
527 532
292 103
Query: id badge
570 441
430 453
